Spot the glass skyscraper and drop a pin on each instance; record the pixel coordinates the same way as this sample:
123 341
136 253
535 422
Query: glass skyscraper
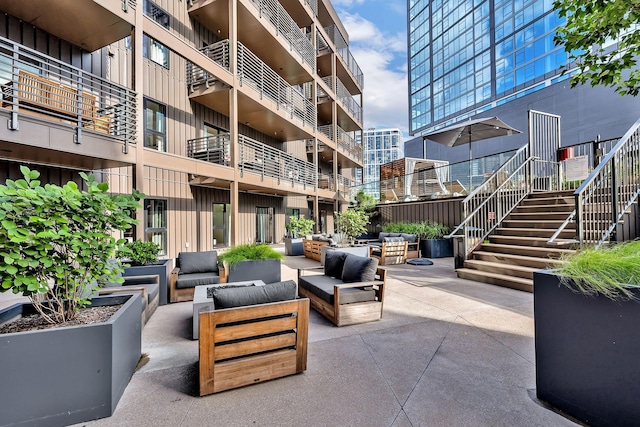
468 56
380 146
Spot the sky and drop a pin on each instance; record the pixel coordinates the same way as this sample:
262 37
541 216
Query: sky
378 40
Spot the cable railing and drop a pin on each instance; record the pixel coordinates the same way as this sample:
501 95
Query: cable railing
610 190
213 149
282 22
261 159
348 101
257 75
54 90
219 53
344 184
348 145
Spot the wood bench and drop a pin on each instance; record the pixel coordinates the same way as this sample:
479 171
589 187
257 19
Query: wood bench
390 252
311 248
40 96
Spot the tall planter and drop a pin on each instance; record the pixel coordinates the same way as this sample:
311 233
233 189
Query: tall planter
587 351
436 248
162 268
68 375
293 247
267 270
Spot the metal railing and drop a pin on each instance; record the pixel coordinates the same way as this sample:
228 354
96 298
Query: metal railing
266 161
321 43
219 53
344 184
213 149
313 4
348 145
40 84
326 181
328 80
352 65
609 191
348 101
336 36
256 74
486 206
326 130
285 26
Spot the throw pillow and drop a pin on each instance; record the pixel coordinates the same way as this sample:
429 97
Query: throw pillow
333 263
251 295
393 239
411 238
359 269
198 262
382 235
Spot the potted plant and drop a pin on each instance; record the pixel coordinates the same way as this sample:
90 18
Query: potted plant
297 227
250 262
56 242
431 234
349 224
587 341
140 258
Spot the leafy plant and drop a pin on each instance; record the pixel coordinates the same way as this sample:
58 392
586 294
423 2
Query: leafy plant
610 271
250 251
364 201
139 252
424 230
299 226
55 241
351 223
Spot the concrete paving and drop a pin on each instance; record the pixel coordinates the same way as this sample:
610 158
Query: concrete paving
447 352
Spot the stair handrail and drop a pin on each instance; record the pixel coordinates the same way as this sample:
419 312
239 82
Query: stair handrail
611 189
504 198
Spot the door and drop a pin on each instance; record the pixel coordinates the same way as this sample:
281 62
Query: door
264 225
221 221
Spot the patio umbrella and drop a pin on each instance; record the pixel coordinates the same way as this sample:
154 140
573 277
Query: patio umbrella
470 131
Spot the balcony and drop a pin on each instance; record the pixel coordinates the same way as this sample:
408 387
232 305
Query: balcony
348 145
214 149
205 87
89 24
348 69
350 113
51 105
267 162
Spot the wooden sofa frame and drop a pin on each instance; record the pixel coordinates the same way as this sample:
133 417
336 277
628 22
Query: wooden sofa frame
391 253
150 279
347 314
312 249
186 294
246 345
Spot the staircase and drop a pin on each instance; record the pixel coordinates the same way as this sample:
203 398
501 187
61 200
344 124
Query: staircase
518 247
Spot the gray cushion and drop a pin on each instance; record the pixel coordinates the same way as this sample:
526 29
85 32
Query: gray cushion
394 239
323 287
251 295
198 262
152 290
382 235
395 234
267 270
333 263
316 236
411 238
196 279
359 269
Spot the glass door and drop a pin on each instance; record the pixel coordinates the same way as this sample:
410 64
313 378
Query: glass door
221 221
264 225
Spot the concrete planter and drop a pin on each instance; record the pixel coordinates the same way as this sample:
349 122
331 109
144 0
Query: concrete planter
436 248
267 270
293 247
68 375
162 268
587 353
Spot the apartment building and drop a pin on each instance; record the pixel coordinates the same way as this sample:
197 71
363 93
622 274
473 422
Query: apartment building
380 146
228 114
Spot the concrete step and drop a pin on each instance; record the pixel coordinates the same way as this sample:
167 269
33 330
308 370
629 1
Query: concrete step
535 232
540 242
524 261
531 251
539 223
500 268
518 283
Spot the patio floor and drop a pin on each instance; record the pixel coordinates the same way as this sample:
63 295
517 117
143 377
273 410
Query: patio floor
447 352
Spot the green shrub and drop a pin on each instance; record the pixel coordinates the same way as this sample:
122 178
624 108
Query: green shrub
351 223
424 230
55 242
299 226
610 271
251 251
139 252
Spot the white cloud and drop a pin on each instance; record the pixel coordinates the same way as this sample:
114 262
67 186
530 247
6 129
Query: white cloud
346 3
385 91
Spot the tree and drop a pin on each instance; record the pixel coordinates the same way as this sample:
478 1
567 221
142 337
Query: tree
364 201
590 26
351 223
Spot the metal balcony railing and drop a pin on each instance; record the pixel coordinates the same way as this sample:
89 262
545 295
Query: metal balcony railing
39 84
345 53
347 100
213 149
313 4
344 184
326 182
348 145
218 53
321 43
256 74
326 130
336 36
263 160
273 11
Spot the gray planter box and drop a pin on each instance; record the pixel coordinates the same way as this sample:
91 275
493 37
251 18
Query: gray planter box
587 353
436 248
293 247
162 268
68 375
267 270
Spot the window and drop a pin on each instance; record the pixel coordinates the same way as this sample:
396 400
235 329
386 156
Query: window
155 223
155 51
155 13
292 212
155 125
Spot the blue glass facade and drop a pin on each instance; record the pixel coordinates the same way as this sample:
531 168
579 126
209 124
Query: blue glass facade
468 56
380 146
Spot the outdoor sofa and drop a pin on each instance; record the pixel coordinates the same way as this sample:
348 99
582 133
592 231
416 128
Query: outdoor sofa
193 269
413 242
